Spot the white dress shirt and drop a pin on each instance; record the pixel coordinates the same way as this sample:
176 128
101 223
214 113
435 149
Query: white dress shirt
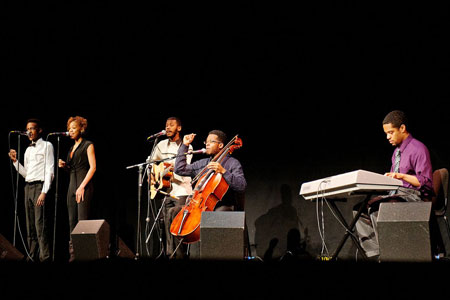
38 166
181 185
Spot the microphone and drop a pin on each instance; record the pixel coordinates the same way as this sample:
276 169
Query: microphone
201 151
65 133
27 133
162 132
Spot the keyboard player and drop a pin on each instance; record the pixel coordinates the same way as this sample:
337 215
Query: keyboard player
410 163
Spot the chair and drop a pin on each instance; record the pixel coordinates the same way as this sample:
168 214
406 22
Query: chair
440 198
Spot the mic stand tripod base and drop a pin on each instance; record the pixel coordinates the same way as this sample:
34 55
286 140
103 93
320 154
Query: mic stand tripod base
155 221
159 212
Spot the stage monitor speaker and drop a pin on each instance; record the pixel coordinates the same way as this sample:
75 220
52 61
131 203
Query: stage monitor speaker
8 251
90 239
404 232
222 235
123 250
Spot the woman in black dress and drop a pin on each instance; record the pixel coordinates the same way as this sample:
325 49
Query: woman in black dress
81 164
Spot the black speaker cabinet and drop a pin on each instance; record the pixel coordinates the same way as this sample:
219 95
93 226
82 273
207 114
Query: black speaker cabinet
222 235
404 232
8 251
123 250
90 239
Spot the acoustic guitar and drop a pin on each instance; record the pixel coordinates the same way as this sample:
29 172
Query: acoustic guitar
162 175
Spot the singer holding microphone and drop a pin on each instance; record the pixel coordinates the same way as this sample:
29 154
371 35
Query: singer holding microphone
180 185
38 173
81 164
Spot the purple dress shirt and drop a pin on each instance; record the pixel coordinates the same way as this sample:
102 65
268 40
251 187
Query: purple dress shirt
415 160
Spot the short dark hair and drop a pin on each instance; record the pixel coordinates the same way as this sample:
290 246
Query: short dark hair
220 135
397 118
175 119
34 120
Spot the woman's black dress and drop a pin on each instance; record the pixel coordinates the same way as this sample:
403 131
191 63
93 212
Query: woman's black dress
78 166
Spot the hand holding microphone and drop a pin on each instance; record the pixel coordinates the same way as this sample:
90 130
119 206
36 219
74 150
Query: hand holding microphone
13 155
61 163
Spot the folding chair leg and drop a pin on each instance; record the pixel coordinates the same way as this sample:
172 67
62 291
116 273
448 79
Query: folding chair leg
447 226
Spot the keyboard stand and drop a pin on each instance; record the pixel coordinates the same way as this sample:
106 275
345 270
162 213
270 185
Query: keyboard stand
350 228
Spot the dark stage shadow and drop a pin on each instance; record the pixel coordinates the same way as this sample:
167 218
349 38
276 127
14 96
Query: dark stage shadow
277 233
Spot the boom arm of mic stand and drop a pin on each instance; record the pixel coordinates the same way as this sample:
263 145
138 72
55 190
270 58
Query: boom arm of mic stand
155 161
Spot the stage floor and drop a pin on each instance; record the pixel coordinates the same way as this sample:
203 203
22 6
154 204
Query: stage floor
223 279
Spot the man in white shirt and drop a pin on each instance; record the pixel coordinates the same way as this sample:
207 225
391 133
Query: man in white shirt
38 169
180 185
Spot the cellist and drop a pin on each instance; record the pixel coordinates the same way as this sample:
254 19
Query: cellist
231 169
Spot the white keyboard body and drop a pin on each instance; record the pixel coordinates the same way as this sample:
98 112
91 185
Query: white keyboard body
347 184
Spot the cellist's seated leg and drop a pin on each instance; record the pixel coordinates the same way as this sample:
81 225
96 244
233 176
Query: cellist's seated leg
171 241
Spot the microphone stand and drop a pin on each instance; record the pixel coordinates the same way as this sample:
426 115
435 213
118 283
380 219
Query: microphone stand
156 218
159 212
148 162
138 231
56 199
17 189
140 179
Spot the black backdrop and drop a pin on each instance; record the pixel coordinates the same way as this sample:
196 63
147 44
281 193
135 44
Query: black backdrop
306 87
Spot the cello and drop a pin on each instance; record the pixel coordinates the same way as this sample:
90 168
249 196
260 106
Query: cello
208 191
